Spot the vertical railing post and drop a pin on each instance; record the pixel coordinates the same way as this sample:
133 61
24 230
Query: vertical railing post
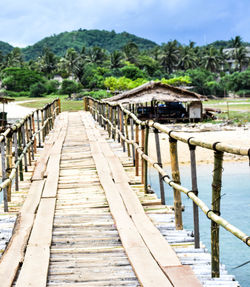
20 140
122 131
33 132
176 179
158 154
24 145
118 123
195 191
30 137
142 159
127 135
132 138
3 159
43 128
38 127
114 122
136 152
145 162
27 140
216 197
59 105
8 163
16 159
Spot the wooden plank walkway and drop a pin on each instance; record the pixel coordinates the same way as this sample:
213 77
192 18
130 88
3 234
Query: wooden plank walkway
82 223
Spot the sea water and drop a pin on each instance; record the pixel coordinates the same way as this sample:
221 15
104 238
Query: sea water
235 208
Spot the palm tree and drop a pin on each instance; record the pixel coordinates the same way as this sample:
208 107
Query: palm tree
15 58
131 52
96 55
211 60
170 56
115 59
236 42
188 59
240 57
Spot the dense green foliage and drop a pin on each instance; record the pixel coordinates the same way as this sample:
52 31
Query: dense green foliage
110 41
97 60
20 79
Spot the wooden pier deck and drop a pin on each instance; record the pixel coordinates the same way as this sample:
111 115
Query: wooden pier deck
84 222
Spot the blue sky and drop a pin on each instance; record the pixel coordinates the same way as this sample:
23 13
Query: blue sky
25 22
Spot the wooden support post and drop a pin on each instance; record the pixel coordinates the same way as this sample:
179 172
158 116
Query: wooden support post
142 159
145 162
118 123
27 140
109 117
3 159
59 105
30 137
8 163
19 153
33 132
136 153
127 135
24 144
86 104
114 122
43 128
38 127
122 131
176 179
195 191
132 138
16 159
158 153
216 197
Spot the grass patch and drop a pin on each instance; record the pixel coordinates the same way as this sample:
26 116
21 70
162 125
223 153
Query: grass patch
37 103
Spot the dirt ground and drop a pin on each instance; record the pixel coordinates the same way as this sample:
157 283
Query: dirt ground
238 137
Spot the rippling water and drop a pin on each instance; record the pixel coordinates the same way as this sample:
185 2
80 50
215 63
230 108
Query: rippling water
235 207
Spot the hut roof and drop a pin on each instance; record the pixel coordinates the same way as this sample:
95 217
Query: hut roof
156 91
5 100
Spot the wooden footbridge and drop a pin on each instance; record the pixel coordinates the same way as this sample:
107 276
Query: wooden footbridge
86 219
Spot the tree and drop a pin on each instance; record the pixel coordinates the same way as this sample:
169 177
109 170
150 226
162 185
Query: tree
48 63
132 72
20 79
15 58
211 60
236 42
38 90
131 52
240 57
170 56
115 59
69 87
188 59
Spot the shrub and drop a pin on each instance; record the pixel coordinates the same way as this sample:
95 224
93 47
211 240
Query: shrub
52 86
69 87
38 90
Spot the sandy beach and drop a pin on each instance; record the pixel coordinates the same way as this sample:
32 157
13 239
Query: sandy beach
239 136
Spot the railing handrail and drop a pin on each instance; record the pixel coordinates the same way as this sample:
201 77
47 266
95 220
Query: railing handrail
218 147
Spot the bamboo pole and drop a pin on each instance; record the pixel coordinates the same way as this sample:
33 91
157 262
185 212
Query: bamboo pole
30 137
142 159
159 161
19 153
33 131
59 105
118 123
195 190
43 131
27 140
136 152
145 162
127 135
132 138
122 130
3 158
38 127
216 196
8 163
24 144
16 158
176 179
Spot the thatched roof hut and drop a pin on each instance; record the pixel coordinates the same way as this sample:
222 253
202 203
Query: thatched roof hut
156 91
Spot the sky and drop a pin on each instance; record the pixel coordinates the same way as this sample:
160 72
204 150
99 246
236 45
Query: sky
24 22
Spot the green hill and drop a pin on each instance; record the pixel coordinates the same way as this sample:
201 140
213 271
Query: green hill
77 39
5 48
225 44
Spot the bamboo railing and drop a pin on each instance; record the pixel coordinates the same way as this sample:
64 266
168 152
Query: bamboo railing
111 117
19 142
